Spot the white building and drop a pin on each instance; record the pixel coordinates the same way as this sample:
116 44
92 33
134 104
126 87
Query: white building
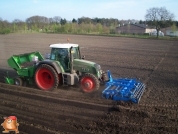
171 33
154 33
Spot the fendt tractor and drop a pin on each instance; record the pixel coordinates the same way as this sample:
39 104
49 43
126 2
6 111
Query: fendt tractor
66 66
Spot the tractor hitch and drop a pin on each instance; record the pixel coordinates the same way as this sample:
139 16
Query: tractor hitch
8 79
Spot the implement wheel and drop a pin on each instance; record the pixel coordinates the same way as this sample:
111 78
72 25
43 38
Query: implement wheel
89 83
46 77
18 81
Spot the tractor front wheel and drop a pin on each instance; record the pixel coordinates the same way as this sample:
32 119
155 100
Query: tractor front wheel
89 83
46 77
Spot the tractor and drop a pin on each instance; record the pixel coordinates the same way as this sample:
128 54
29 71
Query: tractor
65 66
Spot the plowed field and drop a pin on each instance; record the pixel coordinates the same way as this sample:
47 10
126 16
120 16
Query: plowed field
68 110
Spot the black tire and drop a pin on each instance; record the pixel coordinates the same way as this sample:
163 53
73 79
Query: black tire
18 81
105 77
24 83
46 77
89 83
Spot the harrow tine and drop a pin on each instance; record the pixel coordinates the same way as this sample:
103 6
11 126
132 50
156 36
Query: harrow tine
139 91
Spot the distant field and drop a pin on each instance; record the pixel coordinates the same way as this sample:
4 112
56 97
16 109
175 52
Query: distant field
67 110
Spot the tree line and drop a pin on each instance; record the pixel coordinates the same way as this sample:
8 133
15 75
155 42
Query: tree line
156 17
60 25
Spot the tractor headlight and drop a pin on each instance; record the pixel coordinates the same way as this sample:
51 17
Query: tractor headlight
98 67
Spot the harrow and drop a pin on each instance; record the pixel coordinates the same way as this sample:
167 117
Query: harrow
123 89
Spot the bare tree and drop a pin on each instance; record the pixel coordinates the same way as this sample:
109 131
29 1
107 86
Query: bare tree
57 19
158 17
37 21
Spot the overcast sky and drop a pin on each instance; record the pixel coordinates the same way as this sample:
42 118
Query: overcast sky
69 9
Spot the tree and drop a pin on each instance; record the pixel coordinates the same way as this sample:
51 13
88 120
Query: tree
18 25
74 21
63 21
159 18
37 22
176 23
174 27
57 19
84 20
4 27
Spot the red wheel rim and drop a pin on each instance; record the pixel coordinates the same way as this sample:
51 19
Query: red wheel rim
44 79
87 84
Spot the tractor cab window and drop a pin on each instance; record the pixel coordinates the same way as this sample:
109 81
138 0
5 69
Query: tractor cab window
63 57
53 54
75 53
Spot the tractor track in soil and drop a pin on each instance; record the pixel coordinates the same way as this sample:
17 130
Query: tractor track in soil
67 110
155 68
39 112
28 92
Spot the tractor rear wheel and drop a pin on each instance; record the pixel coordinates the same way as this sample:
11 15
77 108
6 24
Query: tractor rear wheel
89 83
46 77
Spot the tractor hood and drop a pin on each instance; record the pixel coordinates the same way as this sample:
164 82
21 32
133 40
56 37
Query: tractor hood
86 66
81 62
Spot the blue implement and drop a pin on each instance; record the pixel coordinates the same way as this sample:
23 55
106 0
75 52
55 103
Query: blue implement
123 89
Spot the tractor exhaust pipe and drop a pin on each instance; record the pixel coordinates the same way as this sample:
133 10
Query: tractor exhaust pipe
71 61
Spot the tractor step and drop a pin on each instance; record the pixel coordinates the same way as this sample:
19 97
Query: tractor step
123 89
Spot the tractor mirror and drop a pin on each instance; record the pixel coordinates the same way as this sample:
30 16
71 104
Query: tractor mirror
47 56
72 50
83 57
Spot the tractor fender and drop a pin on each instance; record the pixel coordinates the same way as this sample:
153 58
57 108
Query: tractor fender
54 64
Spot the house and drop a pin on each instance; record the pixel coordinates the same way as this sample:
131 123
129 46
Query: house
134 29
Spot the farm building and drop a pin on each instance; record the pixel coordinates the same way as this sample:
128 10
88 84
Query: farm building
154 33
170 31
134 29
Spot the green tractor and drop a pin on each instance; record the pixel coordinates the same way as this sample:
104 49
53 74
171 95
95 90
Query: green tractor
64 65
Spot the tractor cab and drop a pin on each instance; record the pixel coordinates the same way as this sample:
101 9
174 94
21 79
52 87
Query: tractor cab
61 53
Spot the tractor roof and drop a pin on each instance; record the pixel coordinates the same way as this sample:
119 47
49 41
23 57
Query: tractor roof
65 45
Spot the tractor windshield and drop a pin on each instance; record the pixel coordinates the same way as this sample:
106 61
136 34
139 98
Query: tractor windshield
59 54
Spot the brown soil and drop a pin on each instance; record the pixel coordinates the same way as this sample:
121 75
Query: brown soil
67 110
